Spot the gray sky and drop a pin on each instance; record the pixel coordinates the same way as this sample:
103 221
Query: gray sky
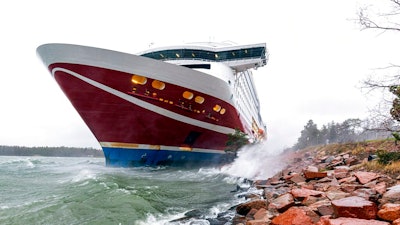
318 57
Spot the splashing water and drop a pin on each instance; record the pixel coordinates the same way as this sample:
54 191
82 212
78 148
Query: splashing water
255 162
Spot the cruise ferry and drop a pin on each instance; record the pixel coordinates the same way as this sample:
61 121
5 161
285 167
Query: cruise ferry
171 105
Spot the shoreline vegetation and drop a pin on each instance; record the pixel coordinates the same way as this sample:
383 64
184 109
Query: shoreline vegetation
61 151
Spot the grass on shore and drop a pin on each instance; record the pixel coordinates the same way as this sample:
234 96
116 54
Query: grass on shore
389 169
361 150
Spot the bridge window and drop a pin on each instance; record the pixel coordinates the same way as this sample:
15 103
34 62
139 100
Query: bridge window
255 52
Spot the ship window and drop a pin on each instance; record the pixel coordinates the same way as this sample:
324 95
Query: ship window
217 108
223 111
158 84
199 99
136 79
198 66
188 95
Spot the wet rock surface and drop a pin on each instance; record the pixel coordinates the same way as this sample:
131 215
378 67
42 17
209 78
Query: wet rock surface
324 190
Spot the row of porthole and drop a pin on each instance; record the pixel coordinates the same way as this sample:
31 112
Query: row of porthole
159 85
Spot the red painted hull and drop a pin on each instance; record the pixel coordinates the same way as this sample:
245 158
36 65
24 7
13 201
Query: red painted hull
112 119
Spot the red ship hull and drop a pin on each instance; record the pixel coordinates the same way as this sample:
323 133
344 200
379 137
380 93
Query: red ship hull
121 126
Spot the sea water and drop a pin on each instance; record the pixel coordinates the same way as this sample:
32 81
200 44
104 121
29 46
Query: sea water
40 190
51 190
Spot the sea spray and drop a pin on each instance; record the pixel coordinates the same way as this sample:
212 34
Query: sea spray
255 161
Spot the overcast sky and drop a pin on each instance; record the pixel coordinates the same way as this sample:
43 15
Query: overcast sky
318 57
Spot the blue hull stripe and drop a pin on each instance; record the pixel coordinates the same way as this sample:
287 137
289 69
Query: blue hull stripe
123 157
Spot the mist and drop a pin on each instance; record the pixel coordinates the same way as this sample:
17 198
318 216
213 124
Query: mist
256 162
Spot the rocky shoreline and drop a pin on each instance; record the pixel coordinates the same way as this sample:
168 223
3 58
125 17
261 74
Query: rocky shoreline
324 188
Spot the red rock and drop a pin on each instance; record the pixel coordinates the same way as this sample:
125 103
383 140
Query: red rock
325 210
380 188
276 182
320 203
396 222
307 186
347 180
350 187
334 182
309 200
341 169
312 174
303 193
293 216
272 193
392 195
245 208
250 214
337 159
256 222
354 207
365 193
389 212
282 203
365 177
297 178
324 220
261 214
334 195
321 187
351 161
350 221
341 175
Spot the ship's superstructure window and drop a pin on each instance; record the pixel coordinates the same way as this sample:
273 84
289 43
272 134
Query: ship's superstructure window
198 66
158 84
245 91
188 95
218 56
199 99
136 79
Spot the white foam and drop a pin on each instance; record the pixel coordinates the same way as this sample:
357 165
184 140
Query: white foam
83 175
255 162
